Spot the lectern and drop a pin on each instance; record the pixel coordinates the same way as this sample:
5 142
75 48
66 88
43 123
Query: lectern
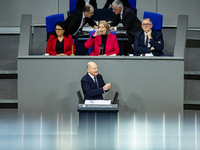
98 125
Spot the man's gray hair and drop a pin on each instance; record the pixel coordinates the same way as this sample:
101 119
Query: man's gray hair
118 3
148 19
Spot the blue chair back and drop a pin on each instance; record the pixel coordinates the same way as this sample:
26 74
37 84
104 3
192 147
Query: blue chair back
72 6
132 4
51 22
90 34
157 19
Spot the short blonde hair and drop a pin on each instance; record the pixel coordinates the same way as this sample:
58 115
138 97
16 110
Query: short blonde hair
105 24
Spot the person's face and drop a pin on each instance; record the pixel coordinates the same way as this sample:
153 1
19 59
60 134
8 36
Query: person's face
59 30
89 14
146 25
116 10
93 70
102 29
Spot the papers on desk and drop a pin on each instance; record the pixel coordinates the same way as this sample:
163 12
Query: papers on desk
98 102
147 54
87 28
112 55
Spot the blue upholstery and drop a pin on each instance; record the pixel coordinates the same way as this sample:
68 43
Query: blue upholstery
72 6
51 22
132 4
157 19
91 32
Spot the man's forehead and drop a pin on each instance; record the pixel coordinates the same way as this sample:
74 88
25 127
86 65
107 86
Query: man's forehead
91 9
147 20
113 6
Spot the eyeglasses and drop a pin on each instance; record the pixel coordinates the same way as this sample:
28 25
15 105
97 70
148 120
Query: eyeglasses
114 9
58 29
146 24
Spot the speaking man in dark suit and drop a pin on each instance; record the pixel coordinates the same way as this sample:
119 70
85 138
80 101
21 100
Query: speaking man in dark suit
148 42
78 19
130 23
92 83
81 3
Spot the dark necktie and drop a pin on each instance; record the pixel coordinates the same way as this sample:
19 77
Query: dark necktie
146 44
96 82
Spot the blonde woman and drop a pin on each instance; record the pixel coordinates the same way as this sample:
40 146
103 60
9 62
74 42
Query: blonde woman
103 42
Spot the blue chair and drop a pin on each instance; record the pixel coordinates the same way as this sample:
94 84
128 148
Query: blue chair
133 5
157 19
72 7
51 22
90 34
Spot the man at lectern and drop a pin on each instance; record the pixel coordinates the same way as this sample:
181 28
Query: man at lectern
92 83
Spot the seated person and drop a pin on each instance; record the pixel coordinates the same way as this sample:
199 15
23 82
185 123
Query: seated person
60 43
78 19
103 38
81 3
109 3
148 42
92 83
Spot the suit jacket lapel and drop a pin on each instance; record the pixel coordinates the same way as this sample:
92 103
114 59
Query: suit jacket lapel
123 14
107 42
90 79
65 43
54 43
142 38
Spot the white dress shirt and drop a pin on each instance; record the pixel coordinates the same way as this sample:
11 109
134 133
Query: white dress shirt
87 2
80 25
148 45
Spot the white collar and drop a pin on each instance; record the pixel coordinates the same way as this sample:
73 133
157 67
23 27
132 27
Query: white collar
83 16
122 11
87 1
91 76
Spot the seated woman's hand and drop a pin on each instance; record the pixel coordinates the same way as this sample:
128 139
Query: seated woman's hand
61 54
96 33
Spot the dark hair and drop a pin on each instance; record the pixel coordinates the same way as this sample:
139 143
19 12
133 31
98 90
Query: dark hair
148 19
62 25
86 8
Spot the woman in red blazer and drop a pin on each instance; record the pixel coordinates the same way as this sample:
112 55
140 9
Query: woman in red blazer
60 43
103 38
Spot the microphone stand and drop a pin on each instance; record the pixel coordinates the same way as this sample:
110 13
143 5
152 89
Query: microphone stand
101 49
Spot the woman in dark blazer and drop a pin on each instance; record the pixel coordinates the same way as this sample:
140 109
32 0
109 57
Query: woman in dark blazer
60 43
103 38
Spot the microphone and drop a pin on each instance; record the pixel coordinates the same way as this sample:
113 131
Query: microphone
101 48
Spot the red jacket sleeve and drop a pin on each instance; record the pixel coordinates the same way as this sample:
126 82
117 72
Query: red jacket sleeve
114 49
50 45
89 43
68 44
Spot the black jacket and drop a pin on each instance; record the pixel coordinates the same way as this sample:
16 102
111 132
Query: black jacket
73 22
129 20
90 89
